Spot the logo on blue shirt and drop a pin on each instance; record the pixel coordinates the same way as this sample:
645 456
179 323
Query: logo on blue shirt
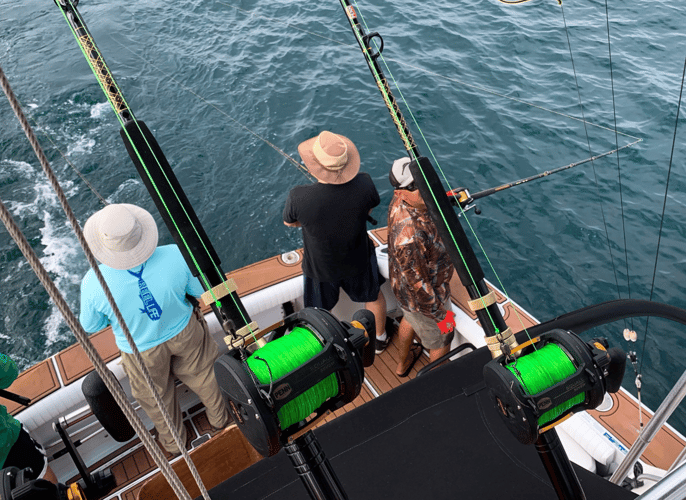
150 305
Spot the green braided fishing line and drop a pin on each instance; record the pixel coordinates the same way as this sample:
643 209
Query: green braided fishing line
542 369
284 355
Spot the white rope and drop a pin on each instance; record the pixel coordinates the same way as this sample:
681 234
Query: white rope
107 377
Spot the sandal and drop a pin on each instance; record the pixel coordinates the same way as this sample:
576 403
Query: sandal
416 351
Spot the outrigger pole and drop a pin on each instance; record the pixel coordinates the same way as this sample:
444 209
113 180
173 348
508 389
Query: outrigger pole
165 190
457 244
499 336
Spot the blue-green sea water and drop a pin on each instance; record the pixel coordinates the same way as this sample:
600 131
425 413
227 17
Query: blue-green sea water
497 91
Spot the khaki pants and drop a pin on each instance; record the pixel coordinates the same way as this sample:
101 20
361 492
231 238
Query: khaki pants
189 356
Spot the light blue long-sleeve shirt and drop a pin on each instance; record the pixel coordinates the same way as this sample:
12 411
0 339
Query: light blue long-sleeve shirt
151 298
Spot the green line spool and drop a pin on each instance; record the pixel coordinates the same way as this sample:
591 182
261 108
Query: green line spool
284 355
556 374
542 369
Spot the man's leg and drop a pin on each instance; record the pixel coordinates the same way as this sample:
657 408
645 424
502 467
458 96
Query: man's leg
193 363
435 354
157 361
378 308
320 294
405 337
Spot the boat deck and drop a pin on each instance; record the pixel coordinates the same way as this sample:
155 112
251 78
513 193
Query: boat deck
132 465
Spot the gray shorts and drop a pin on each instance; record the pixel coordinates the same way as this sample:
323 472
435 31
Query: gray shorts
427 330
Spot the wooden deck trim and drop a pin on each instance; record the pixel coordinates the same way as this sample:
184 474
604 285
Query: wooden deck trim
381 234
34 383
263 274
622 418
73 362
225 455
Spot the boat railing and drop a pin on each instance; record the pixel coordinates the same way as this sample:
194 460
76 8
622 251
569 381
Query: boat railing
671 487
669 404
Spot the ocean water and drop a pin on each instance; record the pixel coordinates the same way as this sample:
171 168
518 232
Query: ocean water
497 91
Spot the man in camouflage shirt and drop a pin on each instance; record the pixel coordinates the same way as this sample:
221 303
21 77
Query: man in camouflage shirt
420 272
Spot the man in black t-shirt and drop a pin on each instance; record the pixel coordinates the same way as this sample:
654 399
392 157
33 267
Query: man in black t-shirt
333 214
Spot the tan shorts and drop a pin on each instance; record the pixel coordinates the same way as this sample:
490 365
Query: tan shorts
427 330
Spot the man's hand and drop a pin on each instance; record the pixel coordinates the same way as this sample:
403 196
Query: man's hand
292 224
448 324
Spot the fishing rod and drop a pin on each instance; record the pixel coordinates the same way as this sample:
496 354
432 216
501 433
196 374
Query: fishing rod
165 190
464 197
521 410
269 393
457 244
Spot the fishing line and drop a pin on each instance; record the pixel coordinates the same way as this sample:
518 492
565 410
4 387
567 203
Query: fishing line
588 142
619 171
664 208
403 130
445 177
122 109
297 164
282 356
449 187
542 369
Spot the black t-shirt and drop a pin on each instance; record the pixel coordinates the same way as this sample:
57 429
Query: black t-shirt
333 219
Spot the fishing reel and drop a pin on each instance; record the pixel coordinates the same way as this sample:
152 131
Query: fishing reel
312 365
556 374
460 197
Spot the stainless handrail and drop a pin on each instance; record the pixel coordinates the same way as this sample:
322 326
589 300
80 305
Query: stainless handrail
670 403
672 487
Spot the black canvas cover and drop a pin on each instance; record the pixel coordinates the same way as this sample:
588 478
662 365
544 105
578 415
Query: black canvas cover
437 436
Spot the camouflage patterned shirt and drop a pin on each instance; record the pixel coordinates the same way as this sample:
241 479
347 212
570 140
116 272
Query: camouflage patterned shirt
419 266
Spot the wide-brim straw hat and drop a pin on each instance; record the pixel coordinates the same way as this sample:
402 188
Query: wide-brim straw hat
121 236
331 158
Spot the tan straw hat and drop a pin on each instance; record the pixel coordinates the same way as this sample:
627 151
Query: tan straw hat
331 158
121 236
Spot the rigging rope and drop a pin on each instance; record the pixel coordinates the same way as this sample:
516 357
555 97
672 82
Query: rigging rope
107 376
588 142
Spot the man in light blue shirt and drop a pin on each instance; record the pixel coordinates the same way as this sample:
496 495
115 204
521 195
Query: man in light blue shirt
150 287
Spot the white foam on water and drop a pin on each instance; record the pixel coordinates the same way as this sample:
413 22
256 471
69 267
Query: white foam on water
99 109
82 145
61 249
128 184
36 198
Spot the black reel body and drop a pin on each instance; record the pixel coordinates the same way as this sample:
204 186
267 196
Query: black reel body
254 406
597 371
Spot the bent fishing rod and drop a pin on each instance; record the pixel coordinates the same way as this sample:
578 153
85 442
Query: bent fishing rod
165 189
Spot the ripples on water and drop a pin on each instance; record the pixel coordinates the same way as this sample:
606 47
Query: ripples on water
262 64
